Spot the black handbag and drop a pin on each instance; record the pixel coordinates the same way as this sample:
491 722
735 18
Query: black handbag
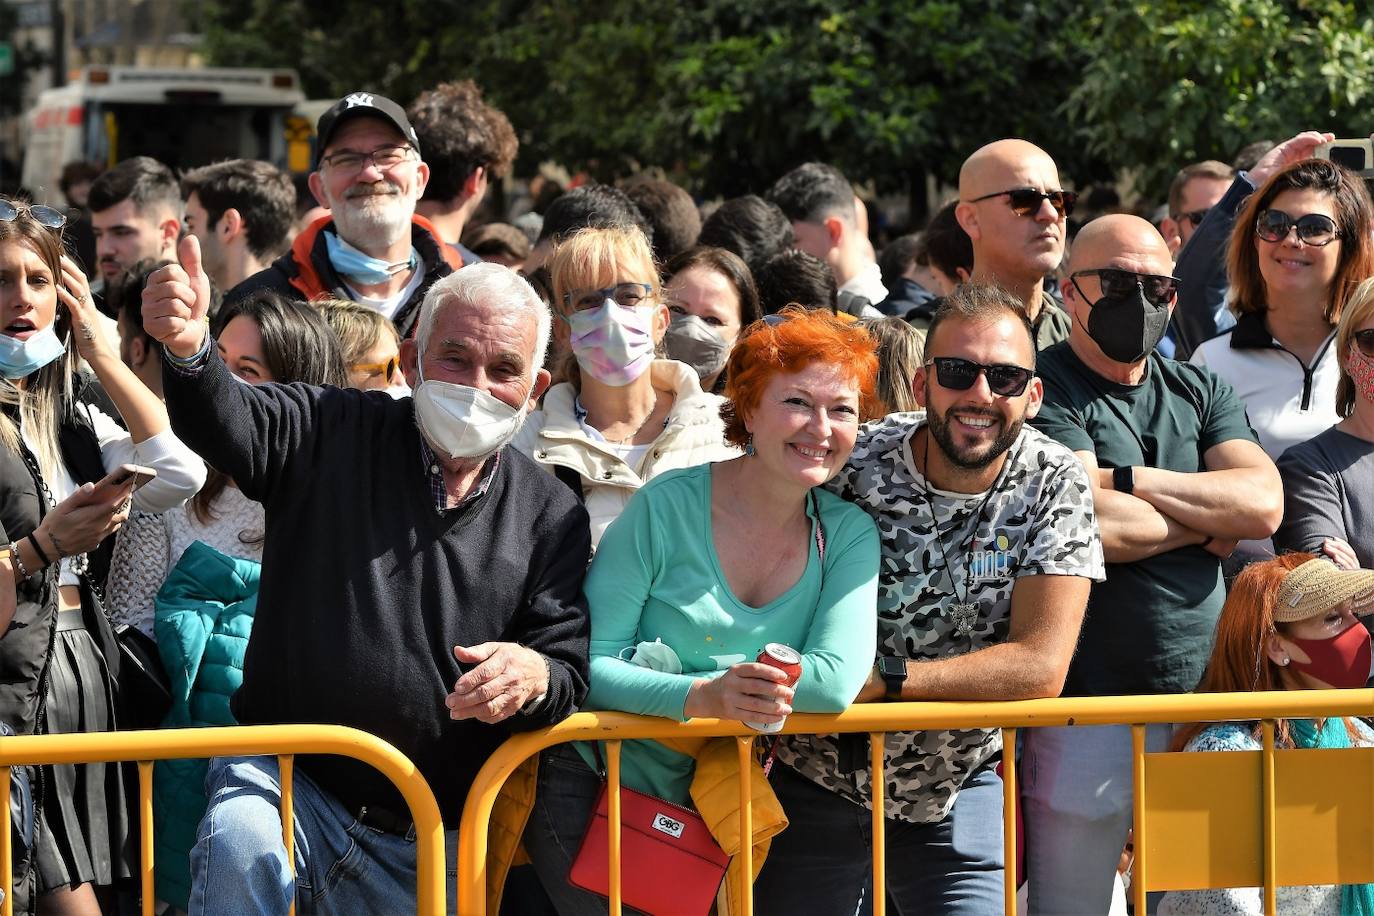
145 693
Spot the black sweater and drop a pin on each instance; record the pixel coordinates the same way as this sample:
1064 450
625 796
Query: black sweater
366 588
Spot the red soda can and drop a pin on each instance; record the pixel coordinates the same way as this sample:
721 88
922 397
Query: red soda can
789 661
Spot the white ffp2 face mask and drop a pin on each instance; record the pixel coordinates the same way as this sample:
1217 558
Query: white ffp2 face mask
463 422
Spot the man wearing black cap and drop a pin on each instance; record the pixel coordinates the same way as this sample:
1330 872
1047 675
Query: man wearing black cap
373 249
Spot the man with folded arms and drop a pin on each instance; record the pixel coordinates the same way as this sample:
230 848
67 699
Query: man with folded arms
1178 477
420 581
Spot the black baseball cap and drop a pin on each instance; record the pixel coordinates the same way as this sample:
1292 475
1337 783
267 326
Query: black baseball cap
358 104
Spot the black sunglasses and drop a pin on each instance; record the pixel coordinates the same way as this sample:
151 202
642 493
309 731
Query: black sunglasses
959 375
1026 201
44 216
1365 341
1116 283
1193 216
1315 229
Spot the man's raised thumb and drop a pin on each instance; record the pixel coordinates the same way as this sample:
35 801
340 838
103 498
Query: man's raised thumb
188 253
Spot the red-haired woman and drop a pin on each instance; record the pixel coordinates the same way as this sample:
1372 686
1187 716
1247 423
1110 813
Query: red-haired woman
1289 623
708 564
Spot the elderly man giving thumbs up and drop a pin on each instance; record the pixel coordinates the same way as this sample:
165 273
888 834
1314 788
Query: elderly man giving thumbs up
420 581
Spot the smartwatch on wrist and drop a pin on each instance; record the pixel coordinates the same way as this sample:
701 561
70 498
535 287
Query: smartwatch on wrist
893 672
1123 479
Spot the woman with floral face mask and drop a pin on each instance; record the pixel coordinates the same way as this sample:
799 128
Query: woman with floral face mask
1289 623
1328 481
623 415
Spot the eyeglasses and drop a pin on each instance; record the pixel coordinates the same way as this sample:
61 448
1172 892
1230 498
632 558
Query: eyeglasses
385 369
625 295
1026 201
1193 216
959 375
1315 229
45 216
1116 283
348 161
1365 341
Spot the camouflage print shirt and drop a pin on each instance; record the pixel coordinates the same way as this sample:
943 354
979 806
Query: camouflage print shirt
1037 519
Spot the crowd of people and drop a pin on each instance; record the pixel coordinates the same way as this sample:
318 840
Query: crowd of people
394 463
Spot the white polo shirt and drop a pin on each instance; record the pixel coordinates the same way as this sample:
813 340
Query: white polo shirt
1286 400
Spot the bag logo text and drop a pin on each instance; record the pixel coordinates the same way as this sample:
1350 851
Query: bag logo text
671 826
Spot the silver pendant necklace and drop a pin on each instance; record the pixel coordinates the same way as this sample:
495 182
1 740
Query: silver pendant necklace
963 612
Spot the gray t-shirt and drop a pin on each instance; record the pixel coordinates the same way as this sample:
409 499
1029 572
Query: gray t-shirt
1036 520
1328 491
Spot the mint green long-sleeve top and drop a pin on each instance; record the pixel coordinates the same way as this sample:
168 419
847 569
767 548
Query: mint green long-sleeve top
656 576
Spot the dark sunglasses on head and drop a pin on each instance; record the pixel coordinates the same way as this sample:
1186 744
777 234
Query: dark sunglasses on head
44 216
1116 284
1193 216
1365 341
1026 201
959 375
1315 229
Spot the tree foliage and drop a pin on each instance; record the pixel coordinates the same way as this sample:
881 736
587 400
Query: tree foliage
728 94
1177 81
27 60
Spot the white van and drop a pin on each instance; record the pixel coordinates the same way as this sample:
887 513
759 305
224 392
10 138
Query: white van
182 117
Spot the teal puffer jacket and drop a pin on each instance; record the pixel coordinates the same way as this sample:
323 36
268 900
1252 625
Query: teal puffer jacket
204 616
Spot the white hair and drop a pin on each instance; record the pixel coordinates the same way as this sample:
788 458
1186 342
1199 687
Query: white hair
486 282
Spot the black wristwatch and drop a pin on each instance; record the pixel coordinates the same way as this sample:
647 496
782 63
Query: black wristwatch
893 672
1123 479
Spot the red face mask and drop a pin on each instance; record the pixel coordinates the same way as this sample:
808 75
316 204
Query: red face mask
1342 661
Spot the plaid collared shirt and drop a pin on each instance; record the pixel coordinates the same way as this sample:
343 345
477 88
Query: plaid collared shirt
439 493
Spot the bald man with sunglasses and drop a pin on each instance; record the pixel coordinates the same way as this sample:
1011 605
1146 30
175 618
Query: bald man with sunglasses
1178 478
1015 211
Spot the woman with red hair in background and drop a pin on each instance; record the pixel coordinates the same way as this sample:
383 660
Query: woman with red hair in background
708 564
1289 623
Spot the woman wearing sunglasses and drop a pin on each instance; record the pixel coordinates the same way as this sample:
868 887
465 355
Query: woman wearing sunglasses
1328 481
1300 247
623 415
683 599
60 432
1289 623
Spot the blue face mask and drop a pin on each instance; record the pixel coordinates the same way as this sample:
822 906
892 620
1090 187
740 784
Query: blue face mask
22 358
363 268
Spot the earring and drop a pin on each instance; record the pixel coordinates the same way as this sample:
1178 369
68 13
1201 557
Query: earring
749 451
1284 663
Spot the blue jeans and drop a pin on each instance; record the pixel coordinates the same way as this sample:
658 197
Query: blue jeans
1077 793
823 861
238 865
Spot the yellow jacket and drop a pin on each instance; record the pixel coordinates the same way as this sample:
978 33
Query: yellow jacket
715 794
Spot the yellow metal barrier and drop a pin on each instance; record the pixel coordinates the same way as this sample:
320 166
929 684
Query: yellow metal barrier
283 741
1166 808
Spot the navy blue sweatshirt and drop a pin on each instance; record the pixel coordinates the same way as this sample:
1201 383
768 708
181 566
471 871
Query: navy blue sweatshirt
366 587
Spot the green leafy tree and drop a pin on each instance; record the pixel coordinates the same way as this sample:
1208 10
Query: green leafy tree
1176 81
724 94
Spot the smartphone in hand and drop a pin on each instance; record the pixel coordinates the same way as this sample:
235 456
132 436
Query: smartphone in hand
120 477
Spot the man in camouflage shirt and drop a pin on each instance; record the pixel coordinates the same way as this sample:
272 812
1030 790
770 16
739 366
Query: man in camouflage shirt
989 546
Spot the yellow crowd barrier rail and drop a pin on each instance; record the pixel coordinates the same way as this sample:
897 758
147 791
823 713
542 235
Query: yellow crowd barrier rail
1261 819
282 741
